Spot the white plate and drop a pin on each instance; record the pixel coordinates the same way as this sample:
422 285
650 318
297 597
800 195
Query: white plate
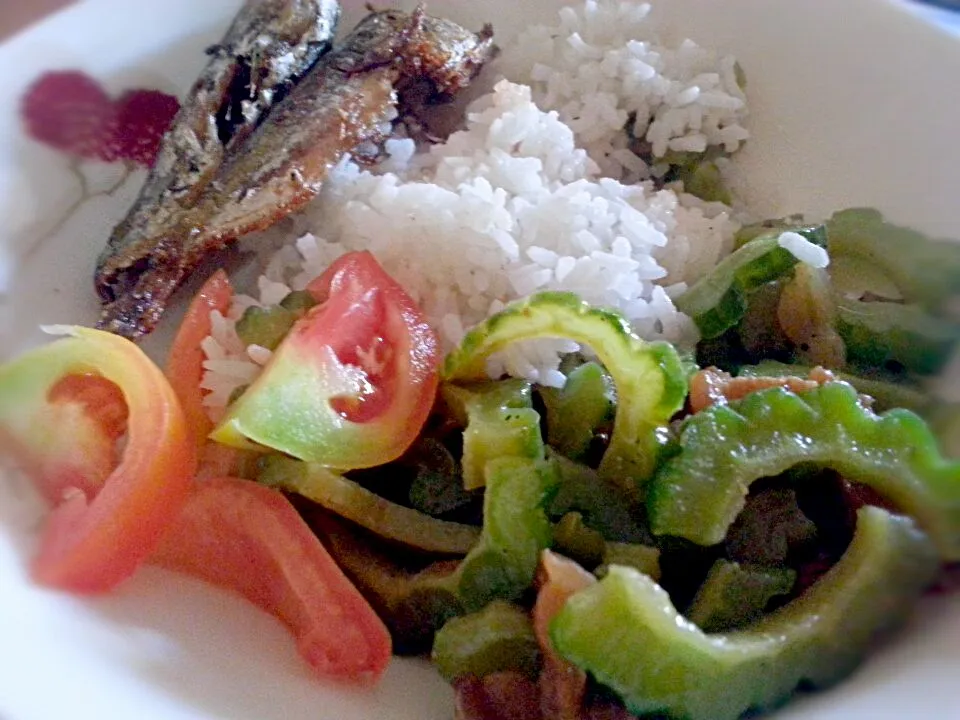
853 102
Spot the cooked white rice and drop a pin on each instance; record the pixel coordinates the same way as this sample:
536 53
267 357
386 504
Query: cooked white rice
514 203
602 63
804 250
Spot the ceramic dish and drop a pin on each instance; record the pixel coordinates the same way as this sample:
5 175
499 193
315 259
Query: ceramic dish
852 104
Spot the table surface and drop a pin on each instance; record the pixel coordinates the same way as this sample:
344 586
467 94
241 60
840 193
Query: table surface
947 17
17 14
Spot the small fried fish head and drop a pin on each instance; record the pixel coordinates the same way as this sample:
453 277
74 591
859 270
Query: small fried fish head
445 53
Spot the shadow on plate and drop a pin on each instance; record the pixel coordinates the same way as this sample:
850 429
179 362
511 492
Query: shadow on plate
225 658
209 652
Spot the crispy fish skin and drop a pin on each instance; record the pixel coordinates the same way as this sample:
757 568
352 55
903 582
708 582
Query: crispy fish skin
267 48
333 110
340 104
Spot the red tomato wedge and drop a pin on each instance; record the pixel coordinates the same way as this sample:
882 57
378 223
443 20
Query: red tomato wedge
354 380
184 367
61 416
248 538
184 370
380 330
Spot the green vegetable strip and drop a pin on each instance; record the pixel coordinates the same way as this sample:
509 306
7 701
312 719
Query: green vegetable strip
413 604
877 333
945 420
604 505
926 271
688 359
500 422
854 277
573 538
498 637
503 555
650 379
437 487
576 411
515 530
644 558
886 395
486 397
699 491
626 633
769 527
367 509
698 172
720 300
265 326
298 302
704 180
734 595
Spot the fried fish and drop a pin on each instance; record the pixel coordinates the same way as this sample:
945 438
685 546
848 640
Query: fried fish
268 47
343 102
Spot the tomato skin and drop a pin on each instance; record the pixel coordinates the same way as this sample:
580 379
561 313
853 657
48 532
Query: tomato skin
184 367
248 538
103 527
354 380
184 370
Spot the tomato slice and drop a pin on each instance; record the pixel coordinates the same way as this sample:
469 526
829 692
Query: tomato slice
184 368
249 538
61 415
352 383
95 411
